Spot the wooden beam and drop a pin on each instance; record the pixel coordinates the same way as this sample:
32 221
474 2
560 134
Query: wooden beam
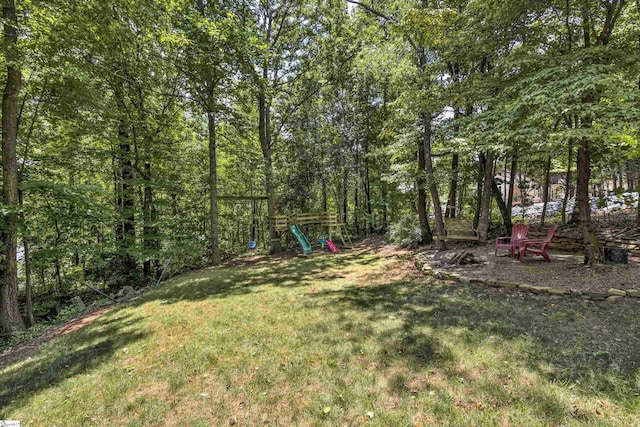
242 197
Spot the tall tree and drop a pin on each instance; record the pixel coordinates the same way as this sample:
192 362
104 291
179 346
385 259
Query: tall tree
10 318
213 37
589 98
286 32
485 207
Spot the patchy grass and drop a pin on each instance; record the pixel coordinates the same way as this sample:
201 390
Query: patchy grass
348 339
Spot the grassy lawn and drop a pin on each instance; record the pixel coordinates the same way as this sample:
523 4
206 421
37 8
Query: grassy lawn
349 339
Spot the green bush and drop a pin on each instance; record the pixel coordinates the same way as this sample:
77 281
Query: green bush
67 313
405 231
45 309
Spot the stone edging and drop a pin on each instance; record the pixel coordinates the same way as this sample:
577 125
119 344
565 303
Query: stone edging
612 295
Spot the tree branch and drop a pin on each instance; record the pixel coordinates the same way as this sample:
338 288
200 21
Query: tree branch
370 9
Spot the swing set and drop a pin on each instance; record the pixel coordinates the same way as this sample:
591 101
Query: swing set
328 221
282 223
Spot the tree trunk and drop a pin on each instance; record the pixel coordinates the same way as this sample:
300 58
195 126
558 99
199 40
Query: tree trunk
345 195
426 235
620 177
591 245
117 195
483 222
356 199
367 191
627 172
57 288
450 211
512 181
213 189
324 194
479 187
461 194
156 241
504 211
592 249
356 216
545 190
264 133
238 229
28 286
58 273
27 266
433 188
150 229
638 208
567 187
127 210
385 209
575 215
505 191
10 319
453 188
147 228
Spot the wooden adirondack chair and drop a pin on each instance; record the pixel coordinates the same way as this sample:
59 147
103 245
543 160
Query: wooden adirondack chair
537 247
518 233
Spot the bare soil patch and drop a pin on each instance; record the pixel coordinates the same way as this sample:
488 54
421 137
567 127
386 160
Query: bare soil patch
379 245
28 347
565 271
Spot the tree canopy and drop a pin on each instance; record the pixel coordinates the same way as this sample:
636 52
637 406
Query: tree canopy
134 132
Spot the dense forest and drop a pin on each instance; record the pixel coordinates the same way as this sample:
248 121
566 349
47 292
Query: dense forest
138 132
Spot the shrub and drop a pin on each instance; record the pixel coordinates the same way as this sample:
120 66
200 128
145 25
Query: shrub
405 231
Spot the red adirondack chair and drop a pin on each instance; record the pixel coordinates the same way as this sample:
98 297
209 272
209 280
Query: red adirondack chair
537 247
518 233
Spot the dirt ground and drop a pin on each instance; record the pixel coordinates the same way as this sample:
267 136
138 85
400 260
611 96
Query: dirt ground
565 271
27 347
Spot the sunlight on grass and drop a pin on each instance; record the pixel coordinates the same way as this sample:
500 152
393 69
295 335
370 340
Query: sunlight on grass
356 338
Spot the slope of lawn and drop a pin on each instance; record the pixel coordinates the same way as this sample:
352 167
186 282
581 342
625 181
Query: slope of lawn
348 339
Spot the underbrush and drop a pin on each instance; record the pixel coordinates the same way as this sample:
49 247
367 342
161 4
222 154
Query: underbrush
66 314
405 232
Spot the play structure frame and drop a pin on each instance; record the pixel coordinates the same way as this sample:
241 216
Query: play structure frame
327 220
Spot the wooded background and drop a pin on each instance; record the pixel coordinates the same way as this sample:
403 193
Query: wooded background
125 123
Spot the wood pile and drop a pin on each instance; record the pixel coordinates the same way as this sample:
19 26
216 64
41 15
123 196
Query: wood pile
462 257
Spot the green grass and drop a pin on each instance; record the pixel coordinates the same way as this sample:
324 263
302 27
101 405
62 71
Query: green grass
348 339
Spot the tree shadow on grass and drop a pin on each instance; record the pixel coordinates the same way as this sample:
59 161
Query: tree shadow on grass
67 356
564 340
249 278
